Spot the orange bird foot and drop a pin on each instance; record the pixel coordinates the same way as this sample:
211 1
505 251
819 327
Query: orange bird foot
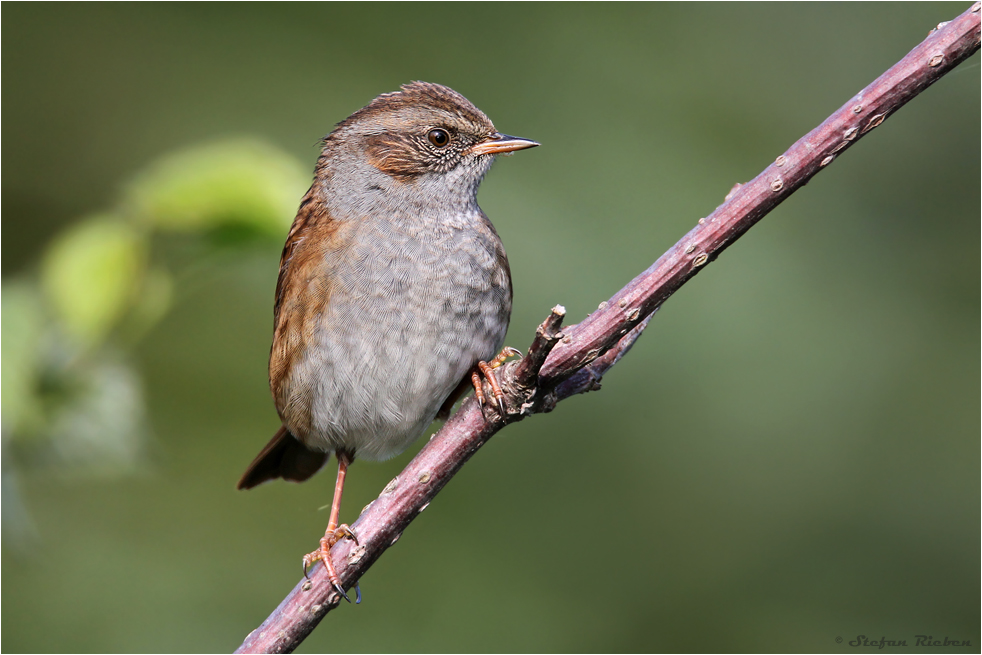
486 369
323 554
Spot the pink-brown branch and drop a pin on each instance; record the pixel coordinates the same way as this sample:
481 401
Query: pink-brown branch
561 364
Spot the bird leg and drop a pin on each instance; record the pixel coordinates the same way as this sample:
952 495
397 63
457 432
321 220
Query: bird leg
486 368
334 532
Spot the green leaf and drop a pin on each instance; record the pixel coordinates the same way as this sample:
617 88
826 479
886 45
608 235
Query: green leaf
154 300
91 274
233 183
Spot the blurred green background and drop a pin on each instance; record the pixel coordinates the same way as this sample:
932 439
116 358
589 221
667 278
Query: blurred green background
789 455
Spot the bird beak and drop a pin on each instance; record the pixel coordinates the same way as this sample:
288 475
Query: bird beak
500 144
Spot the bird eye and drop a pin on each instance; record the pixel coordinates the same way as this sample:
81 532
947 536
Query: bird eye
438 137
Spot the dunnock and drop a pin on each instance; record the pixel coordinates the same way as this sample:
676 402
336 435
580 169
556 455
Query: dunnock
394 290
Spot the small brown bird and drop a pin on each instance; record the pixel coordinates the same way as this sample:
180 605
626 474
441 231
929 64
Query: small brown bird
394 290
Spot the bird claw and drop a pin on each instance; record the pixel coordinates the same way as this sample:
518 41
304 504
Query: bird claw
340 591
503 356
344 531
487 369
323 554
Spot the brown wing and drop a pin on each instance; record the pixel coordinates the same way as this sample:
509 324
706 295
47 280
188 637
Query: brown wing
283 457
303 291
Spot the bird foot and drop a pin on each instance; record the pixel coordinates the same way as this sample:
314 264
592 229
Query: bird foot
487 369
323 554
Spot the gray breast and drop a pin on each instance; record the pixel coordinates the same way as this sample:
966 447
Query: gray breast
414 307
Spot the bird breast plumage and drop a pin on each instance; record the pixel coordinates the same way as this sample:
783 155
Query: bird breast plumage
412 305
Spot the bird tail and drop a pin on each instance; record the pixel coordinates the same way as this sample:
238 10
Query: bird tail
283 457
